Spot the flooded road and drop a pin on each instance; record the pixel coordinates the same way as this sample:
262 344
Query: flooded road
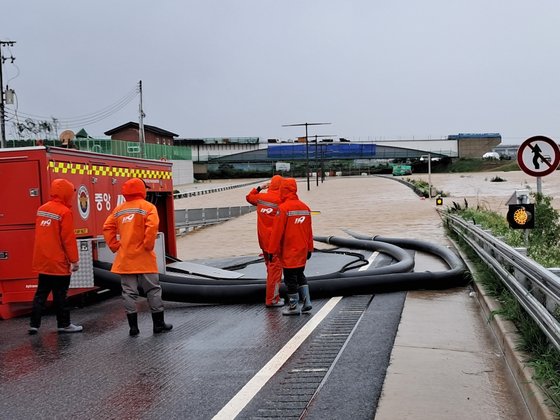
355 203
351 203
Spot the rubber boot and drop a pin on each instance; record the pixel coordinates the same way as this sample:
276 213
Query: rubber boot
304 297
159 323
133 324
293 307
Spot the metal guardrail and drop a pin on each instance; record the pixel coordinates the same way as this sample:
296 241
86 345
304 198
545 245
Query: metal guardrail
188 219
536 288
192 218
211 190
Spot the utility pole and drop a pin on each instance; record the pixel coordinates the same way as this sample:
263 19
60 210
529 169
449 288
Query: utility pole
2 109
306 146
141 134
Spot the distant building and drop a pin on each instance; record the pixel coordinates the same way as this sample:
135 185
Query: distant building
152 135
474 145
507 150
206 149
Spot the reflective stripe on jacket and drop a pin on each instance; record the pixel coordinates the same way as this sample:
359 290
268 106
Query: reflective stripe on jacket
136 222
292 235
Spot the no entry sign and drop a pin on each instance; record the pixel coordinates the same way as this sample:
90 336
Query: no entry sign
538 156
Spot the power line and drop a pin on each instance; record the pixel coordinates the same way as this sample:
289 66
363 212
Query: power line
82 120
108 109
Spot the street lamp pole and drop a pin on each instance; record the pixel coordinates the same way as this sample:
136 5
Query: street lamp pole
317 156
316 163
306 146
306 157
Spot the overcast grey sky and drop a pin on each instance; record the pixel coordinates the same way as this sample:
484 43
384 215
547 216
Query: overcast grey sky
375 70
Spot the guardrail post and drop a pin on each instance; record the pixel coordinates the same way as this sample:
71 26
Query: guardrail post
550 303
523 280
522 251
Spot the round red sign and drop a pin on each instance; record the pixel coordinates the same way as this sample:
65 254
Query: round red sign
538 156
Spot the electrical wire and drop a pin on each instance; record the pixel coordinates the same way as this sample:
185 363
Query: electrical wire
82 120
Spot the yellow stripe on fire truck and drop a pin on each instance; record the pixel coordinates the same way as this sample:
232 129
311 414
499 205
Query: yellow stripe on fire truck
82 168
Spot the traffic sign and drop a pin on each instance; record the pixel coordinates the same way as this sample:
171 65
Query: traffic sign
538 156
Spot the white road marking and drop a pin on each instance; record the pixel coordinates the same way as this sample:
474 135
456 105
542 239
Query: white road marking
251 388
370 261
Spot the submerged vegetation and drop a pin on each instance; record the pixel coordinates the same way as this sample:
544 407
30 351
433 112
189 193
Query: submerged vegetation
422 188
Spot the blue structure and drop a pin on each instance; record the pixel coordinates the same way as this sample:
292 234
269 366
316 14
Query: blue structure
297 151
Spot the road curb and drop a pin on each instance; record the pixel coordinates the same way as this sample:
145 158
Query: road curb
506 336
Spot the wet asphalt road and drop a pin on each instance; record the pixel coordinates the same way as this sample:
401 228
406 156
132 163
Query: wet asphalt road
196 369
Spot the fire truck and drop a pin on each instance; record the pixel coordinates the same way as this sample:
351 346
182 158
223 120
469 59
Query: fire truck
26 174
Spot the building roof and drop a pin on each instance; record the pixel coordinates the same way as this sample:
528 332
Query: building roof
218 140
150 128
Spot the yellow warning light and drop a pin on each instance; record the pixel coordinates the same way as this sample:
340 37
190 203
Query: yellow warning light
520 216
439 201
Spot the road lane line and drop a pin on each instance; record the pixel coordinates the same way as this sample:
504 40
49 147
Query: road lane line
370 261
251 388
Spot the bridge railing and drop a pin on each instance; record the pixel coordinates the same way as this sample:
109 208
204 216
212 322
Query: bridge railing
194 193
536 288
188 219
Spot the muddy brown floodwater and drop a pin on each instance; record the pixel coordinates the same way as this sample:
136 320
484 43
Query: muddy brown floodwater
369 204
479 189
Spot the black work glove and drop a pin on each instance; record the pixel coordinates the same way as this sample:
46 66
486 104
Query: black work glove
269 257
308 254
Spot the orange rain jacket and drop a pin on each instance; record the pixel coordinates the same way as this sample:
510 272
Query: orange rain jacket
292 233
55 245
267 206
136 221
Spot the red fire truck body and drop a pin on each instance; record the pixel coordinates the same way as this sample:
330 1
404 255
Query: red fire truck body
26 175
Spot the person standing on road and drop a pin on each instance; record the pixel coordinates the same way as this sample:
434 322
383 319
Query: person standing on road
55 256
267 205
136 223
292 240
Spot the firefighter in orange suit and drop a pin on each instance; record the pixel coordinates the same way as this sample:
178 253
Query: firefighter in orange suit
292 240
267 206
55 256
136 221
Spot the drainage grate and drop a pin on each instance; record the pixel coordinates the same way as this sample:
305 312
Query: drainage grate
297 387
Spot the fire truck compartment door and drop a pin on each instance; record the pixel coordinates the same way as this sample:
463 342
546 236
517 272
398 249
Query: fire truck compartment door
16 252
20 194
